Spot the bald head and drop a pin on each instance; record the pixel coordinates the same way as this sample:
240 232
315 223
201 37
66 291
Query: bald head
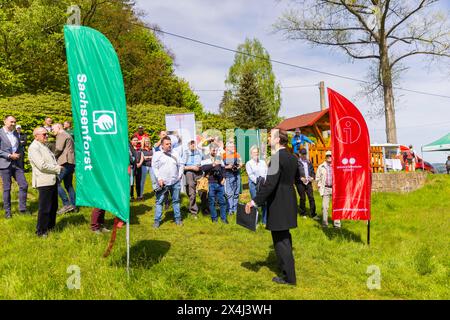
57 128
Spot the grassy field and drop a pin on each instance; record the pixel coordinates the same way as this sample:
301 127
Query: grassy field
409 243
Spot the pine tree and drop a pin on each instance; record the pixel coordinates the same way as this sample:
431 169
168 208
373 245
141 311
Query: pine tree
249 109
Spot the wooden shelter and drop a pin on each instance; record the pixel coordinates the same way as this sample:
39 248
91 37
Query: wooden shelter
315 123
318 124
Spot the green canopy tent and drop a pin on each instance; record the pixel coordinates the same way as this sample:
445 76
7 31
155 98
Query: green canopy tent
442 144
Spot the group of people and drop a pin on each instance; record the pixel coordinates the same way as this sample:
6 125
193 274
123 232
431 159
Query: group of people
208 162
169 165
53 165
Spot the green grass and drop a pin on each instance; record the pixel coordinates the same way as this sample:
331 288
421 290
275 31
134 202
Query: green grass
409 243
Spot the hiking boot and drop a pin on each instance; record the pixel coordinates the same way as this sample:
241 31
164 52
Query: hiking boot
105 230
225 221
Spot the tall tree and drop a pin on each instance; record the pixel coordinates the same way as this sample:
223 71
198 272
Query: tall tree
255 59
386 32
32 54
249 109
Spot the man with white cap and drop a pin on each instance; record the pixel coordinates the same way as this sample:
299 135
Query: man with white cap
325 183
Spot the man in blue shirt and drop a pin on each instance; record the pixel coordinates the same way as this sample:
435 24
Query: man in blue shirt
299 140
192 160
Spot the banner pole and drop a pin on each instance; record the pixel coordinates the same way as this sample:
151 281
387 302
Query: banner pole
368 232
128 249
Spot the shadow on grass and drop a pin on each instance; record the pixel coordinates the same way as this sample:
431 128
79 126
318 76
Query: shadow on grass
145 254
340 233
137 210
72 220
270 262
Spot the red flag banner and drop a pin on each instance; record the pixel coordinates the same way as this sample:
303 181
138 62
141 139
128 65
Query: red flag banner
350 145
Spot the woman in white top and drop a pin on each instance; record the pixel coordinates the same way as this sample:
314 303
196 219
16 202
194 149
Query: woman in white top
257 172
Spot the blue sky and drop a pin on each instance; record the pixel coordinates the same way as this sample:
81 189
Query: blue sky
420 119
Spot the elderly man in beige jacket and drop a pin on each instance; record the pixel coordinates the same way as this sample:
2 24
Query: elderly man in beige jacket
324 180
44 178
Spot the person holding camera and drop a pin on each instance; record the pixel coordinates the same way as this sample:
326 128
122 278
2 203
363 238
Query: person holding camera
214 169
233 165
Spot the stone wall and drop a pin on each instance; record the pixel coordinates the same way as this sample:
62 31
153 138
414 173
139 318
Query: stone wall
399 182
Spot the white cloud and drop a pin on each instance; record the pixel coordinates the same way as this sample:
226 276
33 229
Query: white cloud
228 23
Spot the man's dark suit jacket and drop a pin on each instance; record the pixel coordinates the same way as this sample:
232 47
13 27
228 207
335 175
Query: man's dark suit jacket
6 149
279 193
301 170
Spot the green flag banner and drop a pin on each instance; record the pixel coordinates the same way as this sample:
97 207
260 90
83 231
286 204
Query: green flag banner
100 121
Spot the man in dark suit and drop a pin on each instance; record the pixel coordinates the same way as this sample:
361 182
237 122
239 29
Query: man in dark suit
279 193
11 165
304 184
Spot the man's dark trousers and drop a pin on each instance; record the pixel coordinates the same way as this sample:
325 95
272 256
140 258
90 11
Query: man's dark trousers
303 191
48 205
282 242
15 171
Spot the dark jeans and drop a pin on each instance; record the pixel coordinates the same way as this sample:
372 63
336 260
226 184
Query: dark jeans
66 176
48 205
14 171
216 190
304 191
137 183
282 242
97 219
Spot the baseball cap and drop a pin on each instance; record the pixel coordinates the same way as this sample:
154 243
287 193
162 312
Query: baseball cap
19 126
328 153
140 127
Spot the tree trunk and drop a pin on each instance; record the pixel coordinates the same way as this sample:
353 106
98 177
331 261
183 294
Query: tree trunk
389 110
